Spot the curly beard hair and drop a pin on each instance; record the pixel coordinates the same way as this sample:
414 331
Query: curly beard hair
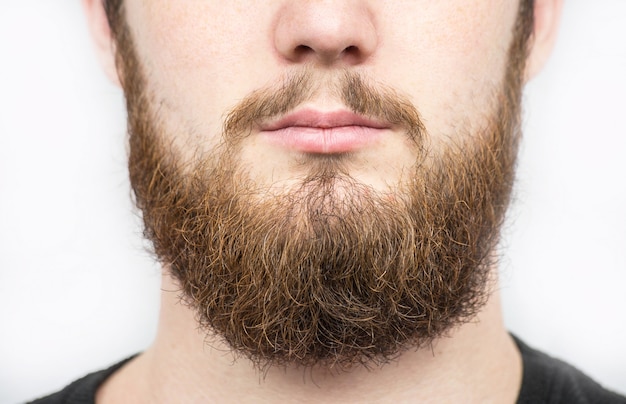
329 272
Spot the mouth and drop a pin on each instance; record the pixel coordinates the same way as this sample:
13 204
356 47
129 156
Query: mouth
316 132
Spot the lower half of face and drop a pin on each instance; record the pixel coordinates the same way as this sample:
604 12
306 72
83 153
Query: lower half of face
339 235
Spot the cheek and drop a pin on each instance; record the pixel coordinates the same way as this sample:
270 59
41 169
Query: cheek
200 59
453 62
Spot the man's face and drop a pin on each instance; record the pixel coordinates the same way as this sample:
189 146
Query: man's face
202 58
325 180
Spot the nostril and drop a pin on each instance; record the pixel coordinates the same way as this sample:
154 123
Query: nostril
351 50
302 50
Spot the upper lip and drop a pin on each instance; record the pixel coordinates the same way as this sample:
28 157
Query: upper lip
311 118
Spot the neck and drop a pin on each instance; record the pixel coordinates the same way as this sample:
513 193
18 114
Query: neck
478 362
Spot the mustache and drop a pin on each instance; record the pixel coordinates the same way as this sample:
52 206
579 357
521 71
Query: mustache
363 97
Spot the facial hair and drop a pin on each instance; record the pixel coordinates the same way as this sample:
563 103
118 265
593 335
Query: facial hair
330 272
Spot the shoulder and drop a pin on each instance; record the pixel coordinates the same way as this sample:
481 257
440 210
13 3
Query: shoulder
83 390
549 380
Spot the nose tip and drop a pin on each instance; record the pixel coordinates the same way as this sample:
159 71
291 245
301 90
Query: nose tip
325 32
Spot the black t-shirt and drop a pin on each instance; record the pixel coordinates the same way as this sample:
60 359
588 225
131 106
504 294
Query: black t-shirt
549 380
545 380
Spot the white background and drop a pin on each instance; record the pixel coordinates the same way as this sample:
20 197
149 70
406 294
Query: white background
78 291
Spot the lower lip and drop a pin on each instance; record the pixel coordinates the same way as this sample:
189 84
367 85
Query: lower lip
341 139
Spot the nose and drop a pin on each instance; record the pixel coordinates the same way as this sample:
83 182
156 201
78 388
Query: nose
326 32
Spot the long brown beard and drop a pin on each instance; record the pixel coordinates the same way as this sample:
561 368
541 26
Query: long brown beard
330 272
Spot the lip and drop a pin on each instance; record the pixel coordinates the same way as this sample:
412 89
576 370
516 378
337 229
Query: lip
311 131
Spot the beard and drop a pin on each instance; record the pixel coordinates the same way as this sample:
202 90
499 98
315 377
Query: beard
328 271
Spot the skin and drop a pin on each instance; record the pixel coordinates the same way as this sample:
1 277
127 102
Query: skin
202 57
